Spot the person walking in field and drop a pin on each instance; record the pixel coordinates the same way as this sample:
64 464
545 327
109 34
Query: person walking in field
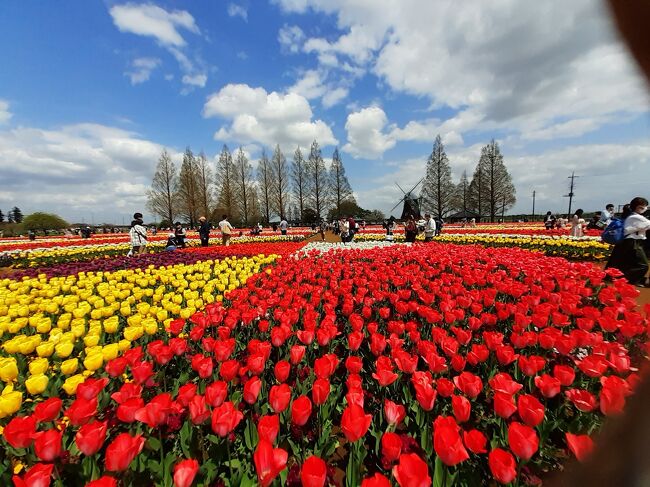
226 230
138 235
204 231
429 227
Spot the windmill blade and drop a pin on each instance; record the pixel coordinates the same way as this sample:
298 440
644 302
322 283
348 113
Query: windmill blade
401 188
418 184
399 203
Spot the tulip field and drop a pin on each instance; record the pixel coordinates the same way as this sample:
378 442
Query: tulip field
471 360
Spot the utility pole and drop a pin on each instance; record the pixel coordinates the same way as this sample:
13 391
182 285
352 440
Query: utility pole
571 193
533 205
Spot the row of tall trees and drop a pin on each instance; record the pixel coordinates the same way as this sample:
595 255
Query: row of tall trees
304 189
12 216
489 194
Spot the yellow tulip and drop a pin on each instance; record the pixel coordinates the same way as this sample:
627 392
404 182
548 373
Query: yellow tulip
124 345
150 326
38 366
69 367
36 384
94 361
45 349
8 369
71 383
64 349
109 352
10 401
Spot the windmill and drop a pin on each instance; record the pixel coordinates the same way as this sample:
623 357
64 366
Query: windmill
411 203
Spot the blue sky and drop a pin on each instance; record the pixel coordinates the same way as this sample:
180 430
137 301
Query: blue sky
90 93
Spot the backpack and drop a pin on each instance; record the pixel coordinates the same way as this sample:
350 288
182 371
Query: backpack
614 232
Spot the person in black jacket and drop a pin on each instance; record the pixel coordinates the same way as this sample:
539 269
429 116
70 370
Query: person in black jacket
179 231
204 231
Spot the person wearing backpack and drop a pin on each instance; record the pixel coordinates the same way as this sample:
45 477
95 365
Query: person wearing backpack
628 254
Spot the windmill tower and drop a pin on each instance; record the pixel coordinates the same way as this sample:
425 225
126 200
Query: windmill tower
411 202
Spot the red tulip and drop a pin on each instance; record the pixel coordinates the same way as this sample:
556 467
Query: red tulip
216 393
122 451
199 411
565 374
320 391
225 418
461 407
20 431
612 400
104 481
300 410
503 383
355 422
142 372
324 366
184 472
583 400
470 384
393 413
91 437
128 391
523 440
186 393
548 385
268 427
269 462
116 367
531 411
126 411
580 445
391 446
279 397
282 370
411 471
502 465
90 388
296 353
229 370
447 441
313 472
47 410
353 364
445 387
475 441
47 444
81 411
156 411
40 475
530 366
252 388
504 405
377 480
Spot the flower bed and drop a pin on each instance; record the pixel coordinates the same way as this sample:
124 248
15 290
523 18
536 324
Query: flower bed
180 256
450 362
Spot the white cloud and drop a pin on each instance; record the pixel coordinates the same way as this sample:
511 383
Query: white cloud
496 61
313 84
195 80
235 10
366 137
370 135
141 69
334 96
153 21
77 170
5 114
163 26
255 116
290 38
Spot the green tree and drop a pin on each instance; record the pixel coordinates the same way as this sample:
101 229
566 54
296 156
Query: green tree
265 181
160 198
279 183
493 188
299 177
225 181
438 190
204 185
245 194
339 184
462 194
17 214
317 183
2 217
187 189
44 221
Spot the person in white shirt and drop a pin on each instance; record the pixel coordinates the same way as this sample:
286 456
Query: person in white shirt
628 255
606 216
577 224
226 230
429 227
284 225
138 235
